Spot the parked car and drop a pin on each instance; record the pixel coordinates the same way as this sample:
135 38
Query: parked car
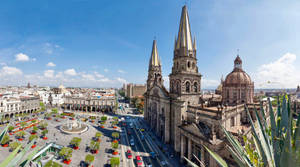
129 154
139 161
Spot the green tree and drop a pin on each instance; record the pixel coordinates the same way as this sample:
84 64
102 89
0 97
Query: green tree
5 140
52 164
31 137
14 145
75 142
103 118
20 134
23 124
66 153
44 132
89 159
94 145
115 161
98 135
34 129
10 128
115 135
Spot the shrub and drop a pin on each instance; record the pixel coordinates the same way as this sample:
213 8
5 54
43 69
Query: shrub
5 140
32 137
14 145
115 135
10 128
44 132
89 158
66 153
75 141
115 161
52 164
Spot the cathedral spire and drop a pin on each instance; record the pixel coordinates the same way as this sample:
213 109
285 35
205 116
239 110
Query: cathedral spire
154 59
184 35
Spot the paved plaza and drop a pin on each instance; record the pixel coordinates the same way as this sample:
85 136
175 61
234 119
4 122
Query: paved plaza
55 135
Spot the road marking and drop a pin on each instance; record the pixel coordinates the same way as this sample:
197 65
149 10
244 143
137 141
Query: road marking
148 146
128 145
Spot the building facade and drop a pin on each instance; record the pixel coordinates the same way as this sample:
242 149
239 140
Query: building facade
89 104
135 90
186 119
9 106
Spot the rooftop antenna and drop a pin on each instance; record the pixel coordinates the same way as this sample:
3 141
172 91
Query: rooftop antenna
238 52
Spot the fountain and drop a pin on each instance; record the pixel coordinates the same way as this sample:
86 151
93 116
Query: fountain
74 127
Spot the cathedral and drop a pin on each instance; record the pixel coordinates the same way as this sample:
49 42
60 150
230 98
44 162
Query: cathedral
185 118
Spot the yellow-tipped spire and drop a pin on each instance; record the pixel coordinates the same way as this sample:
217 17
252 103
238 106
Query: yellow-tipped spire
184 34
154 59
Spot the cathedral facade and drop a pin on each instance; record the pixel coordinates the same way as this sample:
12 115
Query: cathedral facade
187 119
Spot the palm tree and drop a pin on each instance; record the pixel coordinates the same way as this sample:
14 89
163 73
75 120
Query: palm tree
89 159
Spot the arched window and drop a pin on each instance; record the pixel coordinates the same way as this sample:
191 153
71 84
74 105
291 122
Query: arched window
195 87
178 87
193 65
189 64
187 87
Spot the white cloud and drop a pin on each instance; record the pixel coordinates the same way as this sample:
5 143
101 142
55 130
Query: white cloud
3 64
281 73
51 64
70 72
49 73
121 71
88 77
21 57
121 80
98 75
34 59
106 70
10 71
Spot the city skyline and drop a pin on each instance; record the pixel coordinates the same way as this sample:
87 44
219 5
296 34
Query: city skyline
57 43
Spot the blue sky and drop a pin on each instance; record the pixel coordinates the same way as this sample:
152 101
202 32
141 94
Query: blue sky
105 43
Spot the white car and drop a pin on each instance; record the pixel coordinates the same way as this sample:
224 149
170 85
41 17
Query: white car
132 143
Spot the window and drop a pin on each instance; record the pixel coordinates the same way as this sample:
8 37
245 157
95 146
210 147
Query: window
232 122
178 87
187 87
193 65
189 64
195 87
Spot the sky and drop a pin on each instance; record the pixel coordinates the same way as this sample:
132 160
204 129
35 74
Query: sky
92 43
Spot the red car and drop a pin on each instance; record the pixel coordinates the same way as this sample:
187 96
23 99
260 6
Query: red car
129 154
139 161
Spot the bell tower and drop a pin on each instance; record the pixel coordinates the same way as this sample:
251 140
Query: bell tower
185 80
154 71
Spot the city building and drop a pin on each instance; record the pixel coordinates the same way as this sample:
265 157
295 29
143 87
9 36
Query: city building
188 120
9 106
134 90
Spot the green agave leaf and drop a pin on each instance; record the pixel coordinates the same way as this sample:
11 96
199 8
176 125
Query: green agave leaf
29 157
297 134
217 157
3 133
239 160
191 163
274 133
19 156
264 140
263 153
284 123
10 157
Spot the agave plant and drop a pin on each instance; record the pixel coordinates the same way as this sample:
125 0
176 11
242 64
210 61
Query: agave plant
276 141
15 158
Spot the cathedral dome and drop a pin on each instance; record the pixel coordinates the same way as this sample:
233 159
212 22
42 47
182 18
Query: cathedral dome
238 76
